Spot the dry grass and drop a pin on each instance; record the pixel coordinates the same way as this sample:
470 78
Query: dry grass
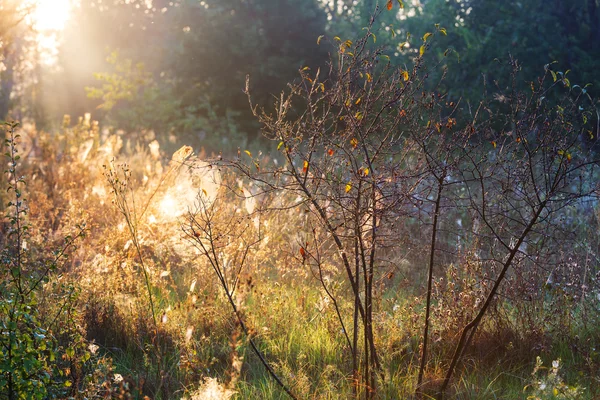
195 349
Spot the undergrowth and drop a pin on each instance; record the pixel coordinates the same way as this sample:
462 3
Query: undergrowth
131 273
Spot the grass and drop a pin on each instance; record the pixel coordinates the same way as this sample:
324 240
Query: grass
288 314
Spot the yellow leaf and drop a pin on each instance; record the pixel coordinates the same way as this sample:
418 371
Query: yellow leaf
305 167
247 152
348 187
443 31
369 77
337 38
279 145
354 142
494 144
426 36
358 101
358 115
403 45
322 87
405 76
320 38
305 69
401 4
422 51
366 172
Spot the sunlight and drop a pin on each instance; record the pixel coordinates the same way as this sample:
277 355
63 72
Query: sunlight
169 207
51 15
48 18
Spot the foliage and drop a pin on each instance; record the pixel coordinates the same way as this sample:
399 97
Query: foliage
480 32
397 242
43 352
550 386
133 100
193 73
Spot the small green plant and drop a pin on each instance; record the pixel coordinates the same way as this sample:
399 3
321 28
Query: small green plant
43 354
550 386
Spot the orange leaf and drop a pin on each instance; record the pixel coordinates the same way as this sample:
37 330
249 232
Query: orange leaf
330 152
302 252
390 5
305 167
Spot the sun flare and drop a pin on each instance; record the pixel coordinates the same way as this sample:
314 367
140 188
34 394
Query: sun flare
51 15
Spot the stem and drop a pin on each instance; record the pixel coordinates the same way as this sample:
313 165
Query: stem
472 326
211 255
430 285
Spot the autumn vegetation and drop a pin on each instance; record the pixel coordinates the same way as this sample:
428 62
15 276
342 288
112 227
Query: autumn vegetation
383 238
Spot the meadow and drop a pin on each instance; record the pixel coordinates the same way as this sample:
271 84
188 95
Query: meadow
376 244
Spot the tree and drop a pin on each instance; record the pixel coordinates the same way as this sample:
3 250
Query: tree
533 32
217 43
200 52
12 15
